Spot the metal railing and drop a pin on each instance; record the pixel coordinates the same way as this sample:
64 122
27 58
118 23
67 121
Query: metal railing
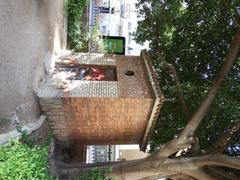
100 154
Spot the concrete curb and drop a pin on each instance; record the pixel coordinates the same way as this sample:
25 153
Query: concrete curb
7 137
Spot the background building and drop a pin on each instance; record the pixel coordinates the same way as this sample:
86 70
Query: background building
113 153
119 19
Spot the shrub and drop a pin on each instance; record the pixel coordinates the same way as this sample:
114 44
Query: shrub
96 174
24 160
75 10
20 162
95 41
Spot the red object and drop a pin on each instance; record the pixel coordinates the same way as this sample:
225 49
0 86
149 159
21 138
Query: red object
96 74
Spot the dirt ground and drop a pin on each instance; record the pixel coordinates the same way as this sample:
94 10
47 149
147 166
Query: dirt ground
30 32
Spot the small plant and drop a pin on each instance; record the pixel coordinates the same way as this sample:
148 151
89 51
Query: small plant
95 41
92 41
25 138
77 40
75 10
96 174
22 159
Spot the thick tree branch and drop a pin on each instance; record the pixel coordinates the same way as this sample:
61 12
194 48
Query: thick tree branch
146 167
222 174
200 174
158 176
134 169
195 147
171 68
223 141
193 163
185 139
182 177
180 95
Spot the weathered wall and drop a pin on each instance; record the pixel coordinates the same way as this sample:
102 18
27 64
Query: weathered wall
30 32
54 109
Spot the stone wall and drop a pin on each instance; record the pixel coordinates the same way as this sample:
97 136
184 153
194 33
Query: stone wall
53 108
51 102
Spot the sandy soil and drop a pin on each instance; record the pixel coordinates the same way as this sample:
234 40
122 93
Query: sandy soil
30 32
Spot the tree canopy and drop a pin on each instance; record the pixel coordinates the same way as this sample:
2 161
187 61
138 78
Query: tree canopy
194 36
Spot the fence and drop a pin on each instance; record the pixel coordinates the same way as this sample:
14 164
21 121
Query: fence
100 154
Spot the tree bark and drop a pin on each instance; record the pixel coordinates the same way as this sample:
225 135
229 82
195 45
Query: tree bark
222 174
150 167
180 94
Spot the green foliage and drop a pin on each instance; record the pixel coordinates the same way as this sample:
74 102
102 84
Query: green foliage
75 10
77 39
96 174
92 41
194 36
25 138
95 40
19 162
23 160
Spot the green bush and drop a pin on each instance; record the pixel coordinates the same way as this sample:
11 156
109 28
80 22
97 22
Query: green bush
96 174
76 39
20 162
24 160
75 10
95 41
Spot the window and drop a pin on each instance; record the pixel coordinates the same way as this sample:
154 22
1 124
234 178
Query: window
129 26
129 38
129 50
125 10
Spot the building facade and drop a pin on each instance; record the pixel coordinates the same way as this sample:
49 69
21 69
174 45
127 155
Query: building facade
117 18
